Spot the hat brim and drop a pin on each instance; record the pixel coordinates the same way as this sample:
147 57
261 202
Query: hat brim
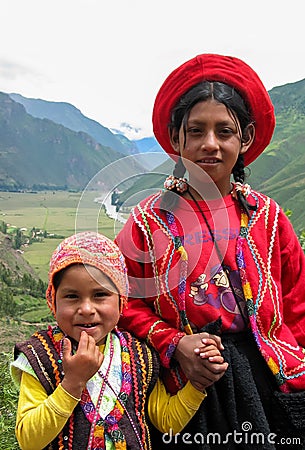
225 69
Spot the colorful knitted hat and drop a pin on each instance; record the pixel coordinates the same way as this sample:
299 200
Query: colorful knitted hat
92 249
225 69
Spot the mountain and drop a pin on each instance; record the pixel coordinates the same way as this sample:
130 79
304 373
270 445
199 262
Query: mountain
41 154
289 96
70 117
280 170
148 144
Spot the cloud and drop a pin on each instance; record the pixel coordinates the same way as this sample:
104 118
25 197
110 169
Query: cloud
12 70
132 133
21 78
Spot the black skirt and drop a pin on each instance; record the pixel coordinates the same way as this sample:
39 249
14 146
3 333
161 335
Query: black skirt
244 409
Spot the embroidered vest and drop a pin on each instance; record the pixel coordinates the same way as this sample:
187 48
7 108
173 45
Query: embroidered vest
46 362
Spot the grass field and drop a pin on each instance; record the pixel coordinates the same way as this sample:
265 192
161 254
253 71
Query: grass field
10 332
60 212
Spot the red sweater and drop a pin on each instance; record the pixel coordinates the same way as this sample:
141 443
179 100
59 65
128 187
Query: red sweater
271 265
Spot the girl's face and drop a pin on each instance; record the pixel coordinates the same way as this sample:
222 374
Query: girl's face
212 143
86 299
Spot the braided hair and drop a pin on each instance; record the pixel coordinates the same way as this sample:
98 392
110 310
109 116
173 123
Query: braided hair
239 176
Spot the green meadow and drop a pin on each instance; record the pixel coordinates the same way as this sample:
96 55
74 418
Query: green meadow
60 213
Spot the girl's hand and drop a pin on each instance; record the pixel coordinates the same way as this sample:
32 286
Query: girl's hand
209 352
81 366
201 371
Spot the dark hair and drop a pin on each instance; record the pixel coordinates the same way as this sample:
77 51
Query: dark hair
57 277
228 96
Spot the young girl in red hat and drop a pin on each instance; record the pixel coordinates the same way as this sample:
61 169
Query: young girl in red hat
211 255
84 384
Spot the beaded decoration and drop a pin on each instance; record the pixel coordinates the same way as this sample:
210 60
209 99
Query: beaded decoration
245 190
96 436
173 183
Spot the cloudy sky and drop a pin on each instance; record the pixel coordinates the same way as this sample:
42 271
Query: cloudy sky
109 57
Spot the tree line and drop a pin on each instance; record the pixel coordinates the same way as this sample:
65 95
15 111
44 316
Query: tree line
13 285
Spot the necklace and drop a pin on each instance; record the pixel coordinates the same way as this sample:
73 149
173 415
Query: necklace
106 381
100 396
220 256
110 423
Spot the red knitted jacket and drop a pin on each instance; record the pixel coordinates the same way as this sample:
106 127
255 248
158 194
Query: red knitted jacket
274 285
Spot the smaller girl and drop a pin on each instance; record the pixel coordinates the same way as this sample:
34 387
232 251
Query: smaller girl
83 383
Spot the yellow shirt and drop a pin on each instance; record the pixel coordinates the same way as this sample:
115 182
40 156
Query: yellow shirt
40 418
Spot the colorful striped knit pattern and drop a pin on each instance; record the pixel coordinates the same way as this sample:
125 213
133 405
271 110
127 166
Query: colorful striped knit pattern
91 249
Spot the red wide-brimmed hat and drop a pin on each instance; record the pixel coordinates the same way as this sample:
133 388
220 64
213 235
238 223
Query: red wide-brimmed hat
226 69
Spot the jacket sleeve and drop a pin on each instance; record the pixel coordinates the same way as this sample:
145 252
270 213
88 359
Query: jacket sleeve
140 317
292 279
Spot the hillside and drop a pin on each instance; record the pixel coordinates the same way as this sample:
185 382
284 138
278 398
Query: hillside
40 154
13 261
21 290
280 170
70 117
20 293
